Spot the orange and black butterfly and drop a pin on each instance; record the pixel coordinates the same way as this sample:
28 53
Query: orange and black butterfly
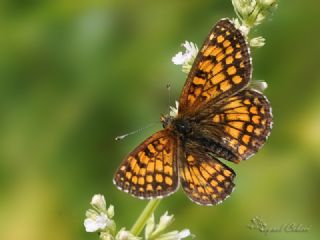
219 116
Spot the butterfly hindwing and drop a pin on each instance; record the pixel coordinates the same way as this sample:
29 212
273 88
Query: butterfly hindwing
205 179
221 68
242 122
150 171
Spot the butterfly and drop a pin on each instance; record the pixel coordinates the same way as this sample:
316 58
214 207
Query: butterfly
219 117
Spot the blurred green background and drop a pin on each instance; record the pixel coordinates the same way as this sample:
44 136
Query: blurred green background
75 74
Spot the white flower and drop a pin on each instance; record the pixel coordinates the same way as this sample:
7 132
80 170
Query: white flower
174 110
96 222
175 235
98 201
99 219
257 42
186 59
126 235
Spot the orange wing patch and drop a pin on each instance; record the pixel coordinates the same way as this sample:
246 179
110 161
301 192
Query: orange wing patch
150 170
222 68
205 180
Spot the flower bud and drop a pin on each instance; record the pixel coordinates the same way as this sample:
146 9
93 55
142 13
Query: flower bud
126 235
257 42
99 202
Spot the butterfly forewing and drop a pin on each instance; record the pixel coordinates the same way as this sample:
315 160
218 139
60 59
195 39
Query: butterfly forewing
205 179
221 68
150 171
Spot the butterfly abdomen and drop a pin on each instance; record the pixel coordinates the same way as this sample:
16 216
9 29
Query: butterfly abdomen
215 149
185 129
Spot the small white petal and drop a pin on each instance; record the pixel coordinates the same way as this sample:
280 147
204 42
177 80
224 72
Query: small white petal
191 47
97 222
165 220
91 213
184 233
174 235
178 59
188 46
261 16
90 225
186 59
102 221
177 104
174 110
110 211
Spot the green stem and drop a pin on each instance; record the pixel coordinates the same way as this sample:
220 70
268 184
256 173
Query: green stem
144 216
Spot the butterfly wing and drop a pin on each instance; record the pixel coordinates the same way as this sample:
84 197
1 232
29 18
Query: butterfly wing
205 179
150 171
221 68
240 124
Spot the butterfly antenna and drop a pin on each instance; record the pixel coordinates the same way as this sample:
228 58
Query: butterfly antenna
121 137
169 94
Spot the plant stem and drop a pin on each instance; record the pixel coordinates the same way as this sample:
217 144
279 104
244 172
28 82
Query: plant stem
144 216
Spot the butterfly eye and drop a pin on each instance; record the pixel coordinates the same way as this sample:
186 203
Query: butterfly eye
165 120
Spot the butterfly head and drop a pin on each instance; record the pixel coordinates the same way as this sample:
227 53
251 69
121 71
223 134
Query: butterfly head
166 120
179 125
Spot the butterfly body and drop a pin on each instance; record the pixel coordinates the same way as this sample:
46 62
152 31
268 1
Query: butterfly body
219 117
181 126
187 128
